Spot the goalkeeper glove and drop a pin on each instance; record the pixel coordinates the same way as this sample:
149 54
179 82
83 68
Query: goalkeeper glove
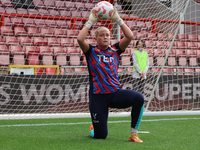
117 18
92 19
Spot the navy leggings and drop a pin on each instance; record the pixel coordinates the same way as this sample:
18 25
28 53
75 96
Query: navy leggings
100 103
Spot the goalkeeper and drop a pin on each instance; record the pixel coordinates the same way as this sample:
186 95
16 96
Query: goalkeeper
105 90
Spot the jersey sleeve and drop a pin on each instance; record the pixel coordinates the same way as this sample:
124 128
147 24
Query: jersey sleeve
89 51
116 46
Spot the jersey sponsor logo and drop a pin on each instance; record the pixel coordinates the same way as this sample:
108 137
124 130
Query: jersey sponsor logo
105 59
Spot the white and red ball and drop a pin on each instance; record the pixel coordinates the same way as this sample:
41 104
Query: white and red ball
103 10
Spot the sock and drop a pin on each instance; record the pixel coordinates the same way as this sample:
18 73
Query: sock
133 130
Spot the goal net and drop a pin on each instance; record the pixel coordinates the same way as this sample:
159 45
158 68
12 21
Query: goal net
44 72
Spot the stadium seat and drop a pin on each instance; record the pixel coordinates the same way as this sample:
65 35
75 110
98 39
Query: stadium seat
80 71
40 23
161 36
167 71
47 55
2 41
78 25
60 55
39 41
113 41
74 56
84 61
11 40
150 44
198 38
192 45
7 21
80 6
32 54
53 12
133 26
62 71
151 36
191 37
20 31
188 71
181 37
39 4
75 13
89 6
4 55
71 33
10 10
168 44
60 5
140 35
52 41
129 71
32 12
171 60
50 71
159 54
49 4
63 24
2 10
69 5
65 13
155 71
197 71
18 54
85 14
141 25
181 44
33 31
46 32
66 42
192 57
6 3
6 30
160 44
75 42
69 71
132 44
25 40
59 32
125 60
51 23
39 71
28 22
170 36
43 12
148 26
16 21
120 71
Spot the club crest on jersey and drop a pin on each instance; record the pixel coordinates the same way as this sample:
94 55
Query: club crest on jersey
105 59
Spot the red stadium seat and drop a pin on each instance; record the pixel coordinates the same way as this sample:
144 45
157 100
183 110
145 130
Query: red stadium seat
32 54
148 26
188 71
39 23
197 71
160 44
151 36
7 21
150 44
129 71
120 71
47 55
74 55
191 37
141 25
65 13
25 40
40 71
53 12
72 33
18 54
113 41
10 10
2 10
38 41
59 32
60 5
43 12
168 44
38 4
50 71
85 14
192 45
64 24
17 21
69 5
11 40
51 23
167 71
80 71
161 36
33 31
49 4
46 32
89 6
69 71
170 36
6 30
79 6
52 41
125 60
28 22
66 42
192 57
198 38
181 44
159 54
171 57
4 55
7 3
60 54
140 35
181 37
20 31
32 12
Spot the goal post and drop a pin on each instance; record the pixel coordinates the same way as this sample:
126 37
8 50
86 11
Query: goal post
43 38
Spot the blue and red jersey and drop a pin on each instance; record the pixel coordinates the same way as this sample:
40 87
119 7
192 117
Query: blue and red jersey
102 67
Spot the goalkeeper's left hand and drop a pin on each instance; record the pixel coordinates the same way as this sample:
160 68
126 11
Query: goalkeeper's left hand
117 18
92 19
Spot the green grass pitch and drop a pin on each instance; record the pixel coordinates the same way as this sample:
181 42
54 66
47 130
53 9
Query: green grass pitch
166 133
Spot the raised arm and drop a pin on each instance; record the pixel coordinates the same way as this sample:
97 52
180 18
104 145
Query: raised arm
83 33
128 34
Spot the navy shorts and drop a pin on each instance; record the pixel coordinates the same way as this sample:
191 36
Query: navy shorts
99 106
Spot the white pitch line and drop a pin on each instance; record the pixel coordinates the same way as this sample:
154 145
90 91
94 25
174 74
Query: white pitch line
51 124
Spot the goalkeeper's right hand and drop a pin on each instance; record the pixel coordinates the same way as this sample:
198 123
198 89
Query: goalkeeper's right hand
117 18
92 19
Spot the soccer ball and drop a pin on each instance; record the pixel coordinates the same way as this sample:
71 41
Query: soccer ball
103 10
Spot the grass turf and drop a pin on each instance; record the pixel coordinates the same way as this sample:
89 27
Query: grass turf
47 134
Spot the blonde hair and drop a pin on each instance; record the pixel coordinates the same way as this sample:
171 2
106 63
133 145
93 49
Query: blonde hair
97 31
